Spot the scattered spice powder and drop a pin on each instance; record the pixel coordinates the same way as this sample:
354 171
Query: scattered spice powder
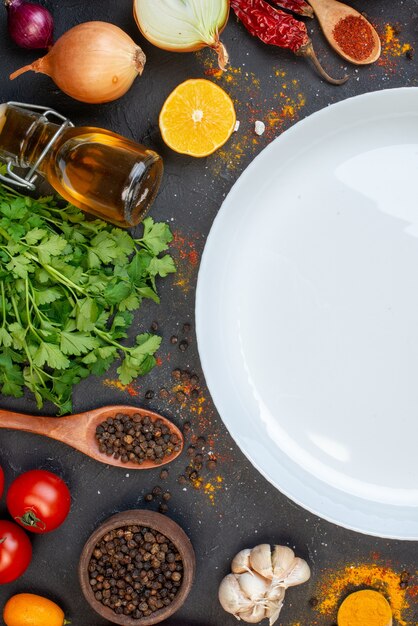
116 384
391 44
209 488
187 260
275 103
355 37
336 585
393 48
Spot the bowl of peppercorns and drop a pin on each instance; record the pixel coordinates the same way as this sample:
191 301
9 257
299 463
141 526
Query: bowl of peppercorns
137 568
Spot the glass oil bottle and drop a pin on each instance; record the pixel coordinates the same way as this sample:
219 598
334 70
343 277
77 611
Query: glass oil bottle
100 172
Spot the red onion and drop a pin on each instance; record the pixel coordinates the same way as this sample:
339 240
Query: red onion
30 25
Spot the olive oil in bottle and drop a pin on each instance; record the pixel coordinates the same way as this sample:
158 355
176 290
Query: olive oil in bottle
97 170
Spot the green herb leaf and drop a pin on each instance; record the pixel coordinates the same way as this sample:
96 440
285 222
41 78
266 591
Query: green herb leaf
156 237
68 287
51 355
77 343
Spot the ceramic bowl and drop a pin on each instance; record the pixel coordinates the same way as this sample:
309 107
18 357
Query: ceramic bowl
159 523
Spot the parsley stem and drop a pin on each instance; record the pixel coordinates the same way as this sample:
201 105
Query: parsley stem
25 347
105 337
5 234
3 304
56 274
28 313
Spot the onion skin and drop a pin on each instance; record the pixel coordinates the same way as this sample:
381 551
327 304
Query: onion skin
30 25
218 46
94 62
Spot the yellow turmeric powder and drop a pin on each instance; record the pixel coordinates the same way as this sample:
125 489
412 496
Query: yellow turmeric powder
336 584
365 607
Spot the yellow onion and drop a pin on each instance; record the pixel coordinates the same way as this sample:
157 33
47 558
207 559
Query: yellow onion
184 25
93 62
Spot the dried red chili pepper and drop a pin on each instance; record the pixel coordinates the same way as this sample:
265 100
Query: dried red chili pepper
278 28
296 6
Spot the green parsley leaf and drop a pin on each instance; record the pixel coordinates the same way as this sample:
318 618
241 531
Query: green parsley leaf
51 355
68 287
156 237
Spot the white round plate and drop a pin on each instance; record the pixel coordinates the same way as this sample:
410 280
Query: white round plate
307 313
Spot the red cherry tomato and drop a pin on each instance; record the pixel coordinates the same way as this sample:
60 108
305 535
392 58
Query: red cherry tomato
15 552
39 501
1 481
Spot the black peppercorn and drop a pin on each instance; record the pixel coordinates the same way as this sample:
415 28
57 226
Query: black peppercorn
128 590
211 464
136 438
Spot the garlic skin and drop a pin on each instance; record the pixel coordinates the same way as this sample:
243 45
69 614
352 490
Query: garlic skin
274 605
241 562
260 560
256 588
232 598
254 616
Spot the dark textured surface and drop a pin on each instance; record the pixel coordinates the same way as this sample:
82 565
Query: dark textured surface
246 509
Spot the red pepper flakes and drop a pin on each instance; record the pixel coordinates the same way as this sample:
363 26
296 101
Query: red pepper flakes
355 37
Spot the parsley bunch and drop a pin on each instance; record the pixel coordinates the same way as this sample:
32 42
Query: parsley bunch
67 289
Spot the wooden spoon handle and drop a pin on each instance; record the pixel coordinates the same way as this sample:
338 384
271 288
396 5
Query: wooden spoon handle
30 423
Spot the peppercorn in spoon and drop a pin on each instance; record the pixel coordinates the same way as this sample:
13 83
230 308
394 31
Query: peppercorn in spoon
347 31
123 436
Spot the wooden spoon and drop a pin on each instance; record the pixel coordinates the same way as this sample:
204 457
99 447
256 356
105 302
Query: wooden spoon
329 13
78 431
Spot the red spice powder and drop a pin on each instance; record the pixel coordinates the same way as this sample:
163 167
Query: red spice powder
355 37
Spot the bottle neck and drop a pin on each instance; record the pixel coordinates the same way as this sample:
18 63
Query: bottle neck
23 135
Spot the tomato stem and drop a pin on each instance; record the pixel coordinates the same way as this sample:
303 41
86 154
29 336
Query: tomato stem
29 519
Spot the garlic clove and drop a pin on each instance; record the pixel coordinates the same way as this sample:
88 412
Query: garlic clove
232 598
260 560
282 560
257 614
254 586
299 574
241 562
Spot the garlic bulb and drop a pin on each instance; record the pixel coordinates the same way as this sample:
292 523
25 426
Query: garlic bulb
256 588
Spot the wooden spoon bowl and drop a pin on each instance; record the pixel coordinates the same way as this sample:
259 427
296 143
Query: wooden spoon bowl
159 523
329 13
79 431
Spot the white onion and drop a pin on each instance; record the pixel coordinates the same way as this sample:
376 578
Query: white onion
184 25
